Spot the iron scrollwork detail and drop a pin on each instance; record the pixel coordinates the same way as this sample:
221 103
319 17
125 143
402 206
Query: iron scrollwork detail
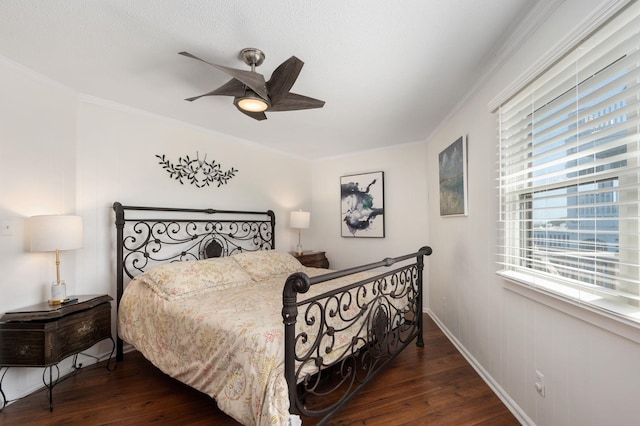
148 242
347 335
197 172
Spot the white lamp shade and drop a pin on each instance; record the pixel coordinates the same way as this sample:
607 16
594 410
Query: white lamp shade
299 219
55 232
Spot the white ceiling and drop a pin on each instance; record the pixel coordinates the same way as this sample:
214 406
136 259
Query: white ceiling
389 71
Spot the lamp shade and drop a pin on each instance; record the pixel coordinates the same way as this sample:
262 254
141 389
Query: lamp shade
55 232
299 219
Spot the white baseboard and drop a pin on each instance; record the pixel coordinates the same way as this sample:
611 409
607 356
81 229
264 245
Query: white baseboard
515 409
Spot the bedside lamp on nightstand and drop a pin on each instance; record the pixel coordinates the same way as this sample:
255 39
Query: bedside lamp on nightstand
299 220
55 233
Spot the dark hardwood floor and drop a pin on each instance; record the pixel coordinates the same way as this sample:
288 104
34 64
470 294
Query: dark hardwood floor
433 385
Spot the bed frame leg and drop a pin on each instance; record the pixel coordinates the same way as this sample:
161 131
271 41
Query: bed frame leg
424 251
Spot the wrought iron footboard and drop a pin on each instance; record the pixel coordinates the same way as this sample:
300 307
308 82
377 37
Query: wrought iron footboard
338 340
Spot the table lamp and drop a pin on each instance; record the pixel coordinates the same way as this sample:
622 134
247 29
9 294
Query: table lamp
299 220
55 233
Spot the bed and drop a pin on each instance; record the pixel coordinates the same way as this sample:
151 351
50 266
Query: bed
206 297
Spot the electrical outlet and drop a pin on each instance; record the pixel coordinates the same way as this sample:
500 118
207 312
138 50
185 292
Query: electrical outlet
5 228
540 383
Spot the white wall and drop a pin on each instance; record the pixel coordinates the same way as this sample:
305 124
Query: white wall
591 373
405 204
61 153
117 162
37 176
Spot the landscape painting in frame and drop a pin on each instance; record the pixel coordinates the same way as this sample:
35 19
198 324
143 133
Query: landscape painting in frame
452 164
362 205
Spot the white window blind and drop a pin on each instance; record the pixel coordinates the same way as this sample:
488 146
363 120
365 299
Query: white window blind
570 173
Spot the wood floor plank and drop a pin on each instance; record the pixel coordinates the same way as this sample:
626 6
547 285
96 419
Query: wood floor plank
433 385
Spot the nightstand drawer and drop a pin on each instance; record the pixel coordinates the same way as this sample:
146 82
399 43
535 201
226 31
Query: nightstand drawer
42 343
28 350
81 331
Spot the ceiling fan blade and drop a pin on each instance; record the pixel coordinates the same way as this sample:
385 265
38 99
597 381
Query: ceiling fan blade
198 97
293 101
255 115
232 87
189 55
255 81
283 78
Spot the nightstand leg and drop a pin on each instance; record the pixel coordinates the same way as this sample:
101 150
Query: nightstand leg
51 383
77 366
4 397
115 364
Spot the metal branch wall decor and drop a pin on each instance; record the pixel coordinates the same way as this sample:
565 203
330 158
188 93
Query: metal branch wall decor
196 171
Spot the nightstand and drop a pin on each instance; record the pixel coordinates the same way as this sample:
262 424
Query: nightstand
314 259
43 335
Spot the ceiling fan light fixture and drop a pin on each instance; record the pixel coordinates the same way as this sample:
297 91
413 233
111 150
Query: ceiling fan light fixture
251 102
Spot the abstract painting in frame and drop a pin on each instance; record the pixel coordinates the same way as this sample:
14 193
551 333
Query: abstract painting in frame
362 205
452 164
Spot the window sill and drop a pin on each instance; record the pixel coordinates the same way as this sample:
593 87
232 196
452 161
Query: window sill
621 320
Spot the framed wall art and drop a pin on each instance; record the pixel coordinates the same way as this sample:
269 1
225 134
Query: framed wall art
452 163
362 205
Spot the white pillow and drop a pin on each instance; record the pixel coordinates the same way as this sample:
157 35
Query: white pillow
181 279
264 264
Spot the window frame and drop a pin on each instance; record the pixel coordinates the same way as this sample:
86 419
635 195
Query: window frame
539 286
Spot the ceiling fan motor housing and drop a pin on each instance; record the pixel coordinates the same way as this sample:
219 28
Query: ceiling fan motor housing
252 57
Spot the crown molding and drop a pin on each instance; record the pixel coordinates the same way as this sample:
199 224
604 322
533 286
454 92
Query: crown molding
596 18
528 26
37 76
517 36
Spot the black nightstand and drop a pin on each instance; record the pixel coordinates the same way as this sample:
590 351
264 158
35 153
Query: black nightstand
314 259
43 335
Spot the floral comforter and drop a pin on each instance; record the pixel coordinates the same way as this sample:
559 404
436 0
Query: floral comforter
216 325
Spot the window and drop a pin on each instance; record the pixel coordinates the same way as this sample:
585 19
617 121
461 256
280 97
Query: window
570 173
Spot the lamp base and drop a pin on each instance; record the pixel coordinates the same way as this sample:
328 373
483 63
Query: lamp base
299 249
58 293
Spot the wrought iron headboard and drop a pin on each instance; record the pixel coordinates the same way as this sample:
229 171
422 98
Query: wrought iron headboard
163 234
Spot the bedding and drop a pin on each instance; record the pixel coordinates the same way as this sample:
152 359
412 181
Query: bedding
269 339
216 325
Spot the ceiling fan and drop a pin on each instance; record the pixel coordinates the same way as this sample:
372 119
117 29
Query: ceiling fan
252 94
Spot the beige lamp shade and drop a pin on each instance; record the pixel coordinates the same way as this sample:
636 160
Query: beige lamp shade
299 219
55 232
